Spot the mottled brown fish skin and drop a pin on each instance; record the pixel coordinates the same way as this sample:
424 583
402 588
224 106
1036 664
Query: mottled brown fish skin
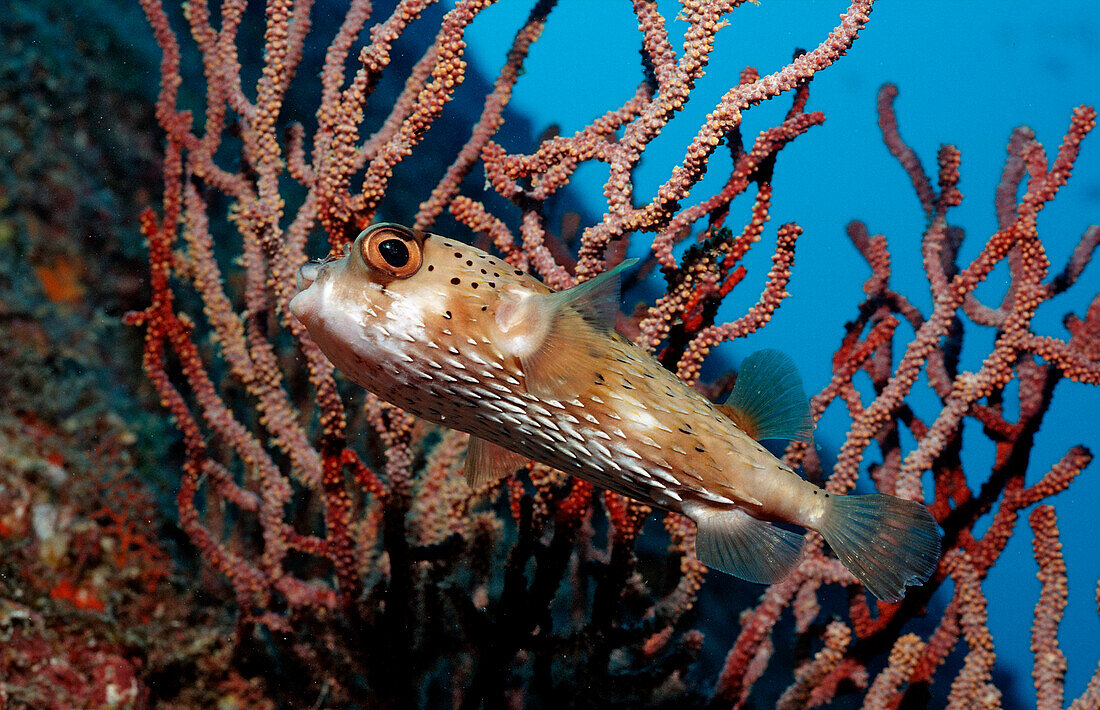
431 344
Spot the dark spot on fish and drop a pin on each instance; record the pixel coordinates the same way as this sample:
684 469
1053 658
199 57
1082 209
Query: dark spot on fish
700 449
685 429
815 491
448 244
484 308
484 271
458 255
456 281
469 262
492 284
496 274
474 284
599 378
492 263
647 374
431 267
517 272
447 315
627 385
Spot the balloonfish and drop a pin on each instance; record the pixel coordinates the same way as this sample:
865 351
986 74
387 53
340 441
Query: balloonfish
457 336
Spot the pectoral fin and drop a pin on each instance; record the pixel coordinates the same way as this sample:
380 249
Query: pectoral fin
768 401
553 334
486 462
737 543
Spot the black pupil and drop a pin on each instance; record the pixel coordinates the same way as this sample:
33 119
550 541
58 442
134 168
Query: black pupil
395 252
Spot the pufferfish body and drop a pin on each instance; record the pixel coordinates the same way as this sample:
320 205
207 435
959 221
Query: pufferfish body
456 336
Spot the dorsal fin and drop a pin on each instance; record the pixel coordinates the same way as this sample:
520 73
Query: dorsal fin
768 400
486 462
554 333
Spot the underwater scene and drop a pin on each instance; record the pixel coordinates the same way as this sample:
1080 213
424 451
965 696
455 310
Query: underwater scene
549 354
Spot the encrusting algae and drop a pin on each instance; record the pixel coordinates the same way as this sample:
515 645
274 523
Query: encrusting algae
460 338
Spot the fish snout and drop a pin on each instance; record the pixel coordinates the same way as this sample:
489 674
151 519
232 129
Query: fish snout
307 274
306 305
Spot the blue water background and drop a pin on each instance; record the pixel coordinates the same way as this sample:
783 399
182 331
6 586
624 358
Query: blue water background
968 73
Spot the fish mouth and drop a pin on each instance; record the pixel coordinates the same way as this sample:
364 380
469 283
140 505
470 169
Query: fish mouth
307 274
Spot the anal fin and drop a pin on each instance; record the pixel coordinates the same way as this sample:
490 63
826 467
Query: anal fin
486 462
736 543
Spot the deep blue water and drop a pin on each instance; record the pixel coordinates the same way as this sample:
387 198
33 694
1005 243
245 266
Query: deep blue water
968 74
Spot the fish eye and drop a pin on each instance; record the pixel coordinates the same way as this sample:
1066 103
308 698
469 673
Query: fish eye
394 252
391 249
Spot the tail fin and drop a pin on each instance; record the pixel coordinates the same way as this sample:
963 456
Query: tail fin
887 542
